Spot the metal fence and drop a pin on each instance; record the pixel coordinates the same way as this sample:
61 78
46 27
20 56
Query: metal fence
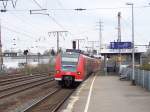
142 77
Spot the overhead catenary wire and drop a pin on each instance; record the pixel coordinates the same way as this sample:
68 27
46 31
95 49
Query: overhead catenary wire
37 4
62 9
48 16
71 9
34 27
17 32
5 3
26 34
60 3
23 32
128 24
52 18
14 3
24 22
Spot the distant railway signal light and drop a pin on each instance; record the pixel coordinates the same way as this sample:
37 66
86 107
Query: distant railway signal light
3 10
52 52
79 9
25 52
74 44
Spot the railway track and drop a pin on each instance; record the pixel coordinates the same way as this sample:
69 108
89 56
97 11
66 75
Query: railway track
17 102
19 88
18 79
51 102
9 76
22 86
21 83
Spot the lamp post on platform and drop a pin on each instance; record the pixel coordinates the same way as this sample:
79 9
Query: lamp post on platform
133 48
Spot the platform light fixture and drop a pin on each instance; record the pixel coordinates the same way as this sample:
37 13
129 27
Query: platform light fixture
133 48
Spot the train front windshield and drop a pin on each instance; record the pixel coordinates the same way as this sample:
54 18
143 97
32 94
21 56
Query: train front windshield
69 62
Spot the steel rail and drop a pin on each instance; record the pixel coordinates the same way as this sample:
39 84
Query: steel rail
23 89
62 102
21 84
15 80
41 100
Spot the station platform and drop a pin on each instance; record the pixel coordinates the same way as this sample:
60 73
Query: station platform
100 93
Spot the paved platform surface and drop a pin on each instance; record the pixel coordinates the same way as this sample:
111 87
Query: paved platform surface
108 94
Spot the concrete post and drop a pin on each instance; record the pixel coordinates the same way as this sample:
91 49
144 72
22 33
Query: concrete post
143 78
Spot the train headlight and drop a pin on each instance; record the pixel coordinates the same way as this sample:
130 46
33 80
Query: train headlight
57 71
79 73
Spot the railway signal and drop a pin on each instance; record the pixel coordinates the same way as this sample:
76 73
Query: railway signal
79 9
52 52
26 53
74 44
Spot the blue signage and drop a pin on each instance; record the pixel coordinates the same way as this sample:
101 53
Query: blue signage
120 45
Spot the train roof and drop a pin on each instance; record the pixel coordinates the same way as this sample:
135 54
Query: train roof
76 53
70 54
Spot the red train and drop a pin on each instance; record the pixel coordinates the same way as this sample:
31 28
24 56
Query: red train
72 68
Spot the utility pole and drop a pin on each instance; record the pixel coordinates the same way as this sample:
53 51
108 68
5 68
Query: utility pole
133 47
119 36
87 48
57 33
93 43
100 34
78 40
38 54
119 27
4 6
1 53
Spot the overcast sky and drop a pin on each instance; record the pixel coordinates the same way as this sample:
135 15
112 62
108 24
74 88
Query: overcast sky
31 31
